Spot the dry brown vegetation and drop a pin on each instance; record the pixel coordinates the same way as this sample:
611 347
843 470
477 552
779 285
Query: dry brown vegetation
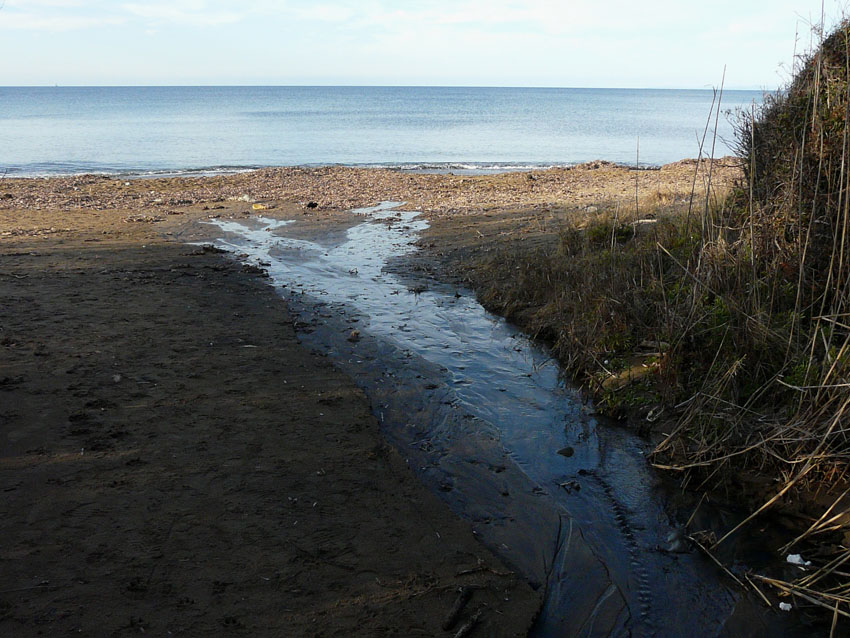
731 313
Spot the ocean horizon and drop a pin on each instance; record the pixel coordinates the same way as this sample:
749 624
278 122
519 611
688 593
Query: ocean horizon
190 130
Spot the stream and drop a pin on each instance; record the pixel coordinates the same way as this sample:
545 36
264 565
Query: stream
485 419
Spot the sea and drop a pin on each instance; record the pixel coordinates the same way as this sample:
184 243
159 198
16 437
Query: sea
139 131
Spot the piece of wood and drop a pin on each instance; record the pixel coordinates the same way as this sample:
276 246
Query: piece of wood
467 627
463 596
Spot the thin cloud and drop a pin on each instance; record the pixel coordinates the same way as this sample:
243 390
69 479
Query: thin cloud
71 15
326 13
41 22
194 13
30 4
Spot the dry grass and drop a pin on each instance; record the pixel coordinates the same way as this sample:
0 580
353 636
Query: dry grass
738 306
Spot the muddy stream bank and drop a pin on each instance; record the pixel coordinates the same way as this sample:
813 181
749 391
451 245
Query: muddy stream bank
485 419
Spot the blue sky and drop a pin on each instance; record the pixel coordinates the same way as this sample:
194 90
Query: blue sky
589 43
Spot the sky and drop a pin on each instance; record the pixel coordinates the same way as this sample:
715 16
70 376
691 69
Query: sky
563 43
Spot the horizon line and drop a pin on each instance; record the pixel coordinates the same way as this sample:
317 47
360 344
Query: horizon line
381 86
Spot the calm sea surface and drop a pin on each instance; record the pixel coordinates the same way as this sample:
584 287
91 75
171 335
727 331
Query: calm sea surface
141 130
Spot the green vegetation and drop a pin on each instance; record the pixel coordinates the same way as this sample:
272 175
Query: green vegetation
737 309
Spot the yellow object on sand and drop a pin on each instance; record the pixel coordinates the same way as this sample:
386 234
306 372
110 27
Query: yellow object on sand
260 207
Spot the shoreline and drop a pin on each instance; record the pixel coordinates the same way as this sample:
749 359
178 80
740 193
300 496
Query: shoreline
341 188
463 168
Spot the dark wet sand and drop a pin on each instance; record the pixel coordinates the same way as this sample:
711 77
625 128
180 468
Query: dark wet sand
174 462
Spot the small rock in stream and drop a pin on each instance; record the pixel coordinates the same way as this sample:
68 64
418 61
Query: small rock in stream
677 543
571 486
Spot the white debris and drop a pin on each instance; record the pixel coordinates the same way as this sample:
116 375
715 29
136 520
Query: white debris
796 559
785 606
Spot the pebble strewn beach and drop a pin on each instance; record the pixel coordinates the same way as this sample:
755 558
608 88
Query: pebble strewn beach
340 188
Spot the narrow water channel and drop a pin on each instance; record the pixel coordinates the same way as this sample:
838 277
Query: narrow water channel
484 418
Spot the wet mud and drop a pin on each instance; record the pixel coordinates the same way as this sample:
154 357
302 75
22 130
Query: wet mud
485 419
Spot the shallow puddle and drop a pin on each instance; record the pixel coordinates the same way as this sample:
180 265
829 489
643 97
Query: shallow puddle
484 418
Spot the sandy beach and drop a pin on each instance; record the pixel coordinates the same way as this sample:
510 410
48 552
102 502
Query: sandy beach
175 462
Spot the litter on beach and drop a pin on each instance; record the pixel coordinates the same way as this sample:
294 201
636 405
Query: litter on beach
796 559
